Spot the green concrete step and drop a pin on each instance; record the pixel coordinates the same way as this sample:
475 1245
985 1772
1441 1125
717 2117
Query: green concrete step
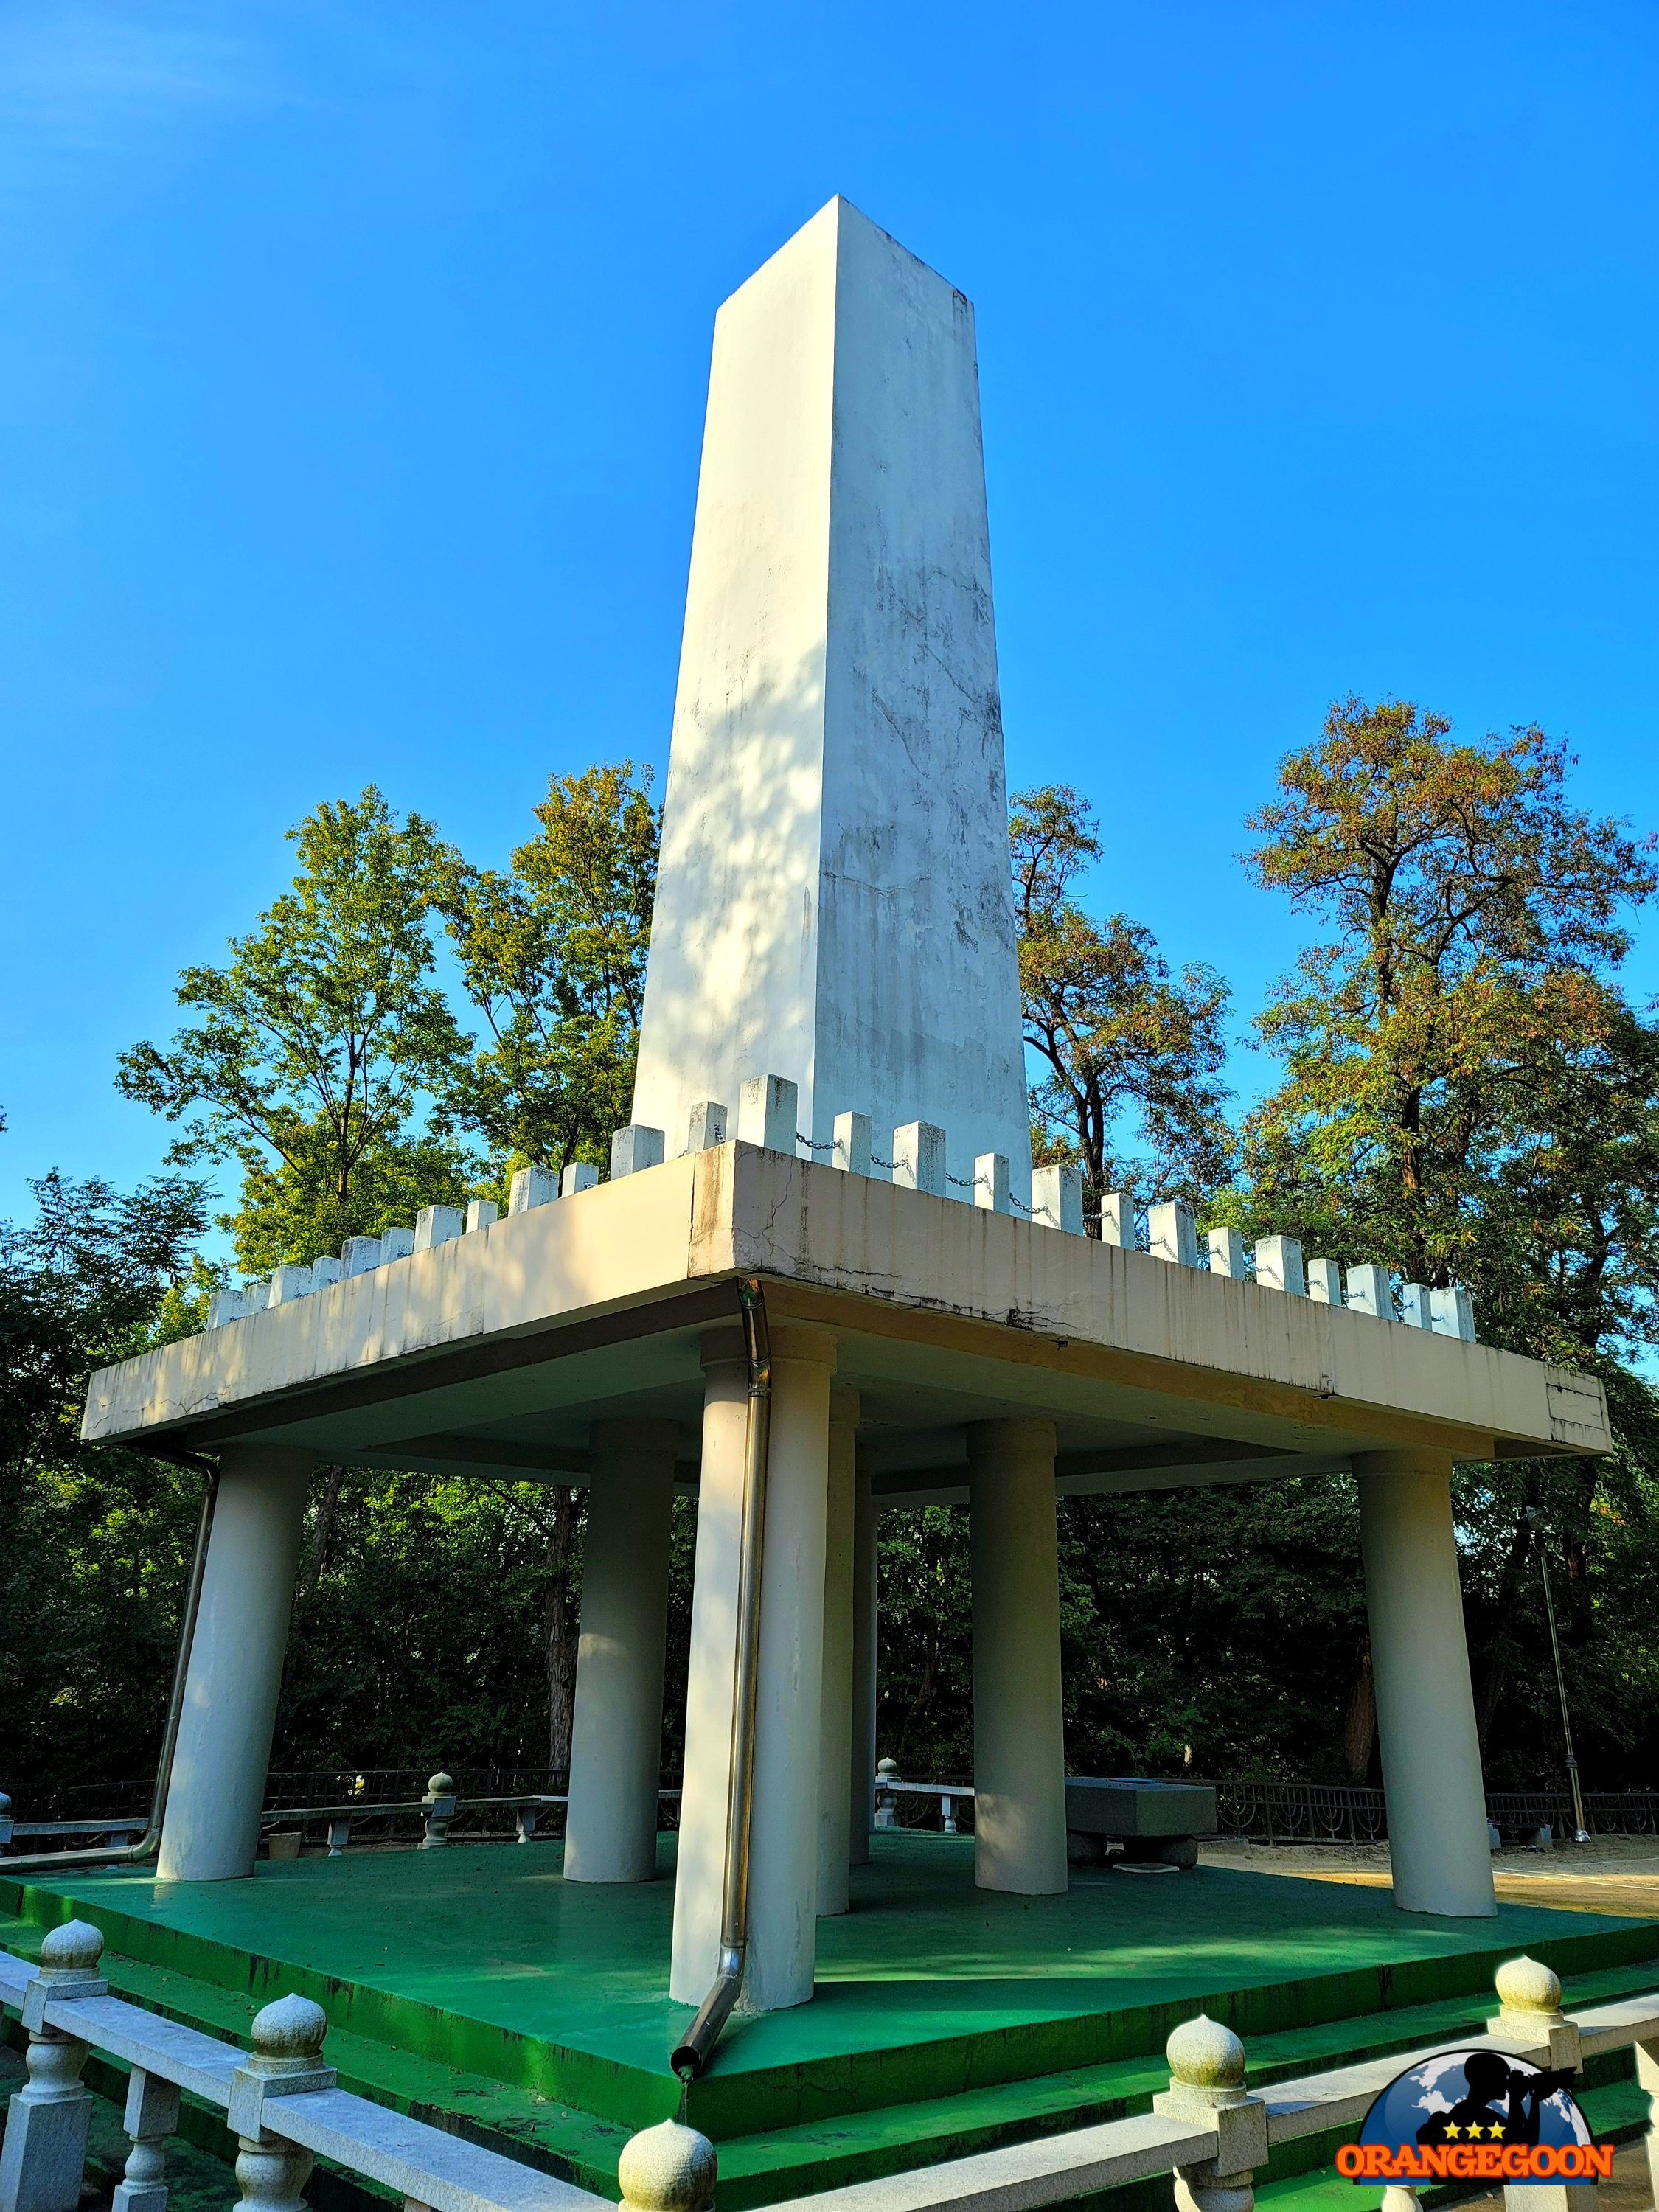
488 1966
760 2168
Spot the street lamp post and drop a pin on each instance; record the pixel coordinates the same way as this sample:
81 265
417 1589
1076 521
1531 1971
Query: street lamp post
1581 1834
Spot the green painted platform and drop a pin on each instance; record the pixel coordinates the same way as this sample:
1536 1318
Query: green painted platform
475 1985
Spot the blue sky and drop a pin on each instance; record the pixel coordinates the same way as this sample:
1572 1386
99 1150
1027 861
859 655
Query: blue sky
353 385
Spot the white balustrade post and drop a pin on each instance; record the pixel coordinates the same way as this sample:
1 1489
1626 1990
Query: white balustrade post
866 1515
286 2061
211 1827
151 2116
667 2169
1439 1846
887 1773
46 2146
1020 1747
615 1737
1207 2084
437 1811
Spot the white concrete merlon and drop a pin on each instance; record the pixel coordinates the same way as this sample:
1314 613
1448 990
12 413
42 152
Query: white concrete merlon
783 1872
851 1139
288 1282
616 1743
990 1183
396 1244
211 1828
580 1175
1117 1219
867 1517
225 1305
635 1148
358 1256
834 897
325 1269
705 1125
837 1798
1414 1309
1019 1745
919 1158
1369 1291
1227 1256
1325 1282
531 1185
1057 1197
1430 1751
1278 1265
436 1224
769 1112
1451 1313
1172 1233
948 1297
481 1214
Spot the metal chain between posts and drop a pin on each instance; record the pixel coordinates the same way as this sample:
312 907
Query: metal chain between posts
811 1145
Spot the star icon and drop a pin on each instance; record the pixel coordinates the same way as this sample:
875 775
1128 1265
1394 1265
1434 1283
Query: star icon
1452 2132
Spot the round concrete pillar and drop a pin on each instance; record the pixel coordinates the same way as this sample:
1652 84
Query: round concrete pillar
699 1862
615 1740
1019 1748
866 1521
1438 1839
210 1832
835 1799
783 1867
783 1823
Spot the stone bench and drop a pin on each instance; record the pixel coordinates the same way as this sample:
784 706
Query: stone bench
1155 1822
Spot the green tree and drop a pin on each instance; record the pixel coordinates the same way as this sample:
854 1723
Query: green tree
96 1540
1129 1053
1468 1097
321 1046
553 955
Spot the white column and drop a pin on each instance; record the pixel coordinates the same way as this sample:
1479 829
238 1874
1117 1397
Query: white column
835 1797
866 1516
1438 1839
783 1829
211 1830
711 1670
615 1742
783 1871
1019 1749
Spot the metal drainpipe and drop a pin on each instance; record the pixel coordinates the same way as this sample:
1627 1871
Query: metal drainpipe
695 2047
150 1842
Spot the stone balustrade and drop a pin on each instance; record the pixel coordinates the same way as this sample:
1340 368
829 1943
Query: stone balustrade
767 1115
1210 2133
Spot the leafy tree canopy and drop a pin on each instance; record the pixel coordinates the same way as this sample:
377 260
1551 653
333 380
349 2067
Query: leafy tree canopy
319 1046
553 954
1127 1049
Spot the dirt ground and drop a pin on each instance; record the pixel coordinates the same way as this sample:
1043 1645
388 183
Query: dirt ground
1613 1873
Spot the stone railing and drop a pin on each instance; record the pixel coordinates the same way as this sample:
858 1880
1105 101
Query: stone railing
768 1110
283 2104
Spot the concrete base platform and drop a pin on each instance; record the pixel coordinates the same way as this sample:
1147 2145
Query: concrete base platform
475 1983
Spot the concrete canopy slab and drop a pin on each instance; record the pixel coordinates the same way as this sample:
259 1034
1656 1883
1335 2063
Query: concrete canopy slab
492 1353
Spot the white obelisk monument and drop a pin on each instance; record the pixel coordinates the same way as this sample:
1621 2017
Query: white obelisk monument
833 905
